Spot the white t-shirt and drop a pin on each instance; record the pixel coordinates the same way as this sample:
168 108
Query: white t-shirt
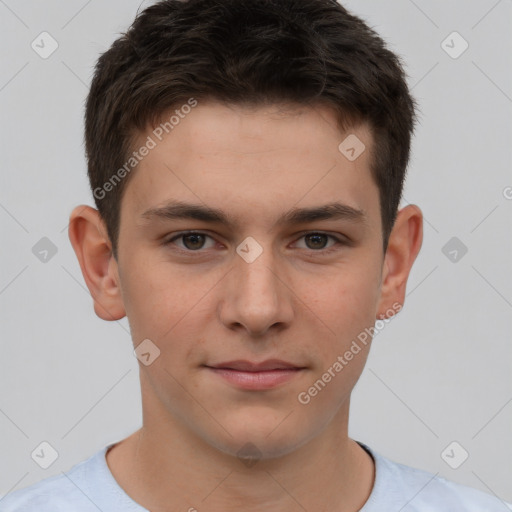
89 486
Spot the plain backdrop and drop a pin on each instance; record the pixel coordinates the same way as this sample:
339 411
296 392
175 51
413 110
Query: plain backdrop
440 372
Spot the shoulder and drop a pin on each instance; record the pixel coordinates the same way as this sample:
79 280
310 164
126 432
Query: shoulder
415 490
59 493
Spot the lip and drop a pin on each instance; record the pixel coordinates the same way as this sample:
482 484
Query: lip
259 380
256 376
248 366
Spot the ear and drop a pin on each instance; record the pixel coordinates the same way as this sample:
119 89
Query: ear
403 246
92 246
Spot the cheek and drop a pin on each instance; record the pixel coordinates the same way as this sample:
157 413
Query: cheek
345 310
162 302
149 298
346 302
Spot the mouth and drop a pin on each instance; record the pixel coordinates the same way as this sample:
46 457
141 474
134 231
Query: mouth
256 376
248 366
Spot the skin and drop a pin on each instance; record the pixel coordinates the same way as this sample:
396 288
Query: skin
209 305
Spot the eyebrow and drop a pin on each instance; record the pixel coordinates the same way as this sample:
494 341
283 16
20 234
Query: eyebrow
180 210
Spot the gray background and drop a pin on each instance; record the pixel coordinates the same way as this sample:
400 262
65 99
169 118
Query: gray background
440 372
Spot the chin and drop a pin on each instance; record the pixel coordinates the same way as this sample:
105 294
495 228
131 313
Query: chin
261 438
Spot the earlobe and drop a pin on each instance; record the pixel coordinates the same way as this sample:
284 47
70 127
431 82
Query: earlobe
93 249
404 245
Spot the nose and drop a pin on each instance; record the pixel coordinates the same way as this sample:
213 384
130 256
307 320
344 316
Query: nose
256 296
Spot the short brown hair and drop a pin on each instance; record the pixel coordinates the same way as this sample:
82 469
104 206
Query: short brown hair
246 52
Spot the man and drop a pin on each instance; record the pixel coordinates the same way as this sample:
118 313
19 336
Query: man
247 160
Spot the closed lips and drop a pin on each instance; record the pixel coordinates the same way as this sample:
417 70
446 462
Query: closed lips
247 366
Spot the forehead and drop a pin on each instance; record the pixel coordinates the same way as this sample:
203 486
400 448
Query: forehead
264 157
216 127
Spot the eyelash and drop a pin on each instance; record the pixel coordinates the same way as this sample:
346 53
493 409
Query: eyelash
320 252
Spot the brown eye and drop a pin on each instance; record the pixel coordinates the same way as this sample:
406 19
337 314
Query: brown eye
316 240
191 241
194 241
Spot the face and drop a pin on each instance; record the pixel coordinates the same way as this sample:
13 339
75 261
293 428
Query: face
262 277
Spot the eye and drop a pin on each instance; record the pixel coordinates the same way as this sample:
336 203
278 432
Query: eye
316 241
192 241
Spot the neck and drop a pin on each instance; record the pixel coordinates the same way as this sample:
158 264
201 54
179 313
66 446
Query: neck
166 463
